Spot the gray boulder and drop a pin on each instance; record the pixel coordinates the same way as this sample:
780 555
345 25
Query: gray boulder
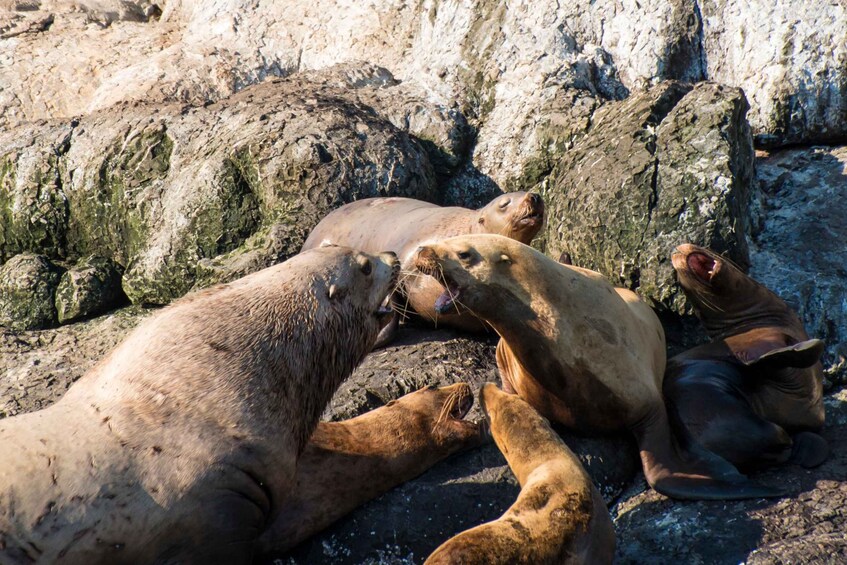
27 292
670 165
91 287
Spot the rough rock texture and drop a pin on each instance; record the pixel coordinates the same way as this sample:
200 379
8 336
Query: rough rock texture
92 286
798 245
27 292
671 165
37 367
807 527
184 196
789 57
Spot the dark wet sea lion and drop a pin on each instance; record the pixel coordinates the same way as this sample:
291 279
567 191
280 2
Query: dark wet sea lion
754 393
403 224
179 445
345 464
581 352
558 517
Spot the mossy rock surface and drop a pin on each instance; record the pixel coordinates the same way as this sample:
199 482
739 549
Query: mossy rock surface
667 166
91 287
27 292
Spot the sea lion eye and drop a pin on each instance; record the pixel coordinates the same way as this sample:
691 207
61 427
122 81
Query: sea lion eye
367 267
505 202
463 255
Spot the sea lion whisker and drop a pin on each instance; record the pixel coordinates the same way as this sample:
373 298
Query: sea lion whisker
446 409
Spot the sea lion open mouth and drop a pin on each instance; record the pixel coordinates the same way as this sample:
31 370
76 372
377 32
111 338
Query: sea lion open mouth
534 211
449 299
703 266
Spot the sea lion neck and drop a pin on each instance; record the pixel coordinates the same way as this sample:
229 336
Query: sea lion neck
752 306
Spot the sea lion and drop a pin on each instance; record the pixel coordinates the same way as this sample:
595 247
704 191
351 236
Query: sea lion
180 444
347 463
581 352
754 394
403 224
558 517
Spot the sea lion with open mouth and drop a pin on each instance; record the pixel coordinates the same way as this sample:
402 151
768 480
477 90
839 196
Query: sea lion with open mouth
347 463
581 352
179 446
558 517
754 394
403 224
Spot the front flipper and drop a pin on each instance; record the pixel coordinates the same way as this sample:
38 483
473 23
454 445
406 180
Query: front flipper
771 348
799 356
388 331
676 466
809 449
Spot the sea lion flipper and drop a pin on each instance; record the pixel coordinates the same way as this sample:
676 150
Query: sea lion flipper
679 467
809 449
799 355
388 331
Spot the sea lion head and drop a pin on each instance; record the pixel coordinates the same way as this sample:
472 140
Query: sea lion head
518 215
478 272
723 296
441 412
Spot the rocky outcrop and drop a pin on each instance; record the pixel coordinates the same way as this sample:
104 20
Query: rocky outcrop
798 240
670 165
183 196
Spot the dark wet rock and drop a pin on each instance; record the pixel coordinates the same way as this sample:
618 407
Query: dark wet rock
666 166
27 292
91 287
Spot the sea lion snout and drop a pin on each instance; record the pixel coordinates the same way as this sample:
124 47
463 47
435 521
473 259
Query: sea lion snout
426 259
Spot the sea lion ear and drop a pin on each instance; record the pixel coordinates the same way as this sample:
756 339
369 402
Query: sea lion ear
799 355
481 220
327 243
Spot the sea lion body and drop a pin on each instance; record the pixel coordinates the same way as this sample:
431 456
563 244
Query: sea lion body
347 463
179 445
581 352
558 517
754 394
402 225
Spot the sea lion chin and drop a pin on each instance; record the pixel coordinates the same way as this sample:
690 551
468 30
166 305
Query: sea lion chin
403 224
582 353
179 445
754 394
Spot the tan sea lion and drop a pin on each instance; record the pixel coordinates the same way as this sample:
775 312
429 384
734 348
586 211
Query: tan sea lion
581 352
403 224
347 463
179 446
558 517
754 394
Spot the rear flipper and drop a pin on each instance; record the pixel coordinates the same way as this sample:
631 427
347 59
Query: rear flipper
676 466
809 449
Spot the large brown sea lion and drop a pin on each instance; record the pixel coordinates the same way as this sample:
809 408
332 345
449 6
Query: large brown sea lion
581 352
179 446
754 393
558 517
345 464
403 224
